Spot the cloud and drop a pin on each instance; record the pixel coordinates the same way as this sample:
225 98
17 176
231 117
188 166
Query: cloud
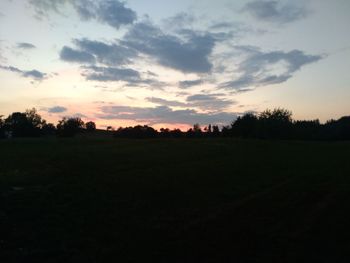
34 74
190 83
203 102
111 12
113 58
209 102
71 55
261 69
10 68
2 58
164 114
108 54
164 102
275 11
222 25
90 52
187 54
78 115
24 45
42 7
128 75
111 74
114 13
179 21
57 109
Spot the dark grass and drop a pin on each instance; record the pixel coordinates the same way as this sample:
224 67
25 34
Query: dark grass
199 200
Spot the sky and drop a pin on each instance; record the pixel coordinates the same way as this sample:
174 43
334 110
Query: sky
174 63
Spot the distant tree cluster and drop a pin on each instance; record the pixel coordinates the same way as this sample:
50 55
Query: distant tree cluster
31 124
278 124
269 124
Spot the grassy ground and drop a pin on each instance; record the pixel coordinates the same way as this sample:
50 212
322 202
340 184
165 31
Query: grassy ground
205 200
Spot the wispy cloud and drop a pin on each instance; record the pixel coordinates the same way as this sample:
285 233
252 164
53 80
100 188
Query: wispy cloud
71 55
266 68
190 83
24 45
57 109
111 12
34 74
164 114
130 76
189 55
275 11
210 102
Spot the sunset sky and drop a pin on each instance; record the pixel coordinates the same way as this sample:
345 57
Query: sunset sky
174 63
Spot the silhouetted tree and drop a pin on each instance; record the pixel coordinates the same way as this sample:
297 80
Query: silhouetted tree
337 129
48 129
2 124
196 131
245 126
343 128
226 131
307 130
216 131
140 132
208 130
164 132
275 124
176 133
24 124
90 126
269 124
68 127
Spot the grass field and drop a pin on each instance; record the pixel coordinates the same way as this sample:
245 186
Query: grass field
205 200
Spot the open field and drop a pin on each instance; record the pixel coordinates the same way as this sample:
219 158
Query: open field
205 200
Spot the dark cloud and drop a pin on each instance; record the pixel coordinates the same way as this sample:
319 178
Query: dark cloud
78 115
12 69
164 102
89 52
112 74
25 45
108 54
113 58
190 83
260 69
222 25
114 13
42 7
179 21
275 11
57 109
72 55
130 76
111 12
164 114
203 102
209 102
188 54
34 74
199 97
85 9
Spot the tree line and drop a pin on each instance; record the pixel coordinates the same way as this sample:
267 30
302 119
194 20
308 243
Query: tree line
31 124
269 124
